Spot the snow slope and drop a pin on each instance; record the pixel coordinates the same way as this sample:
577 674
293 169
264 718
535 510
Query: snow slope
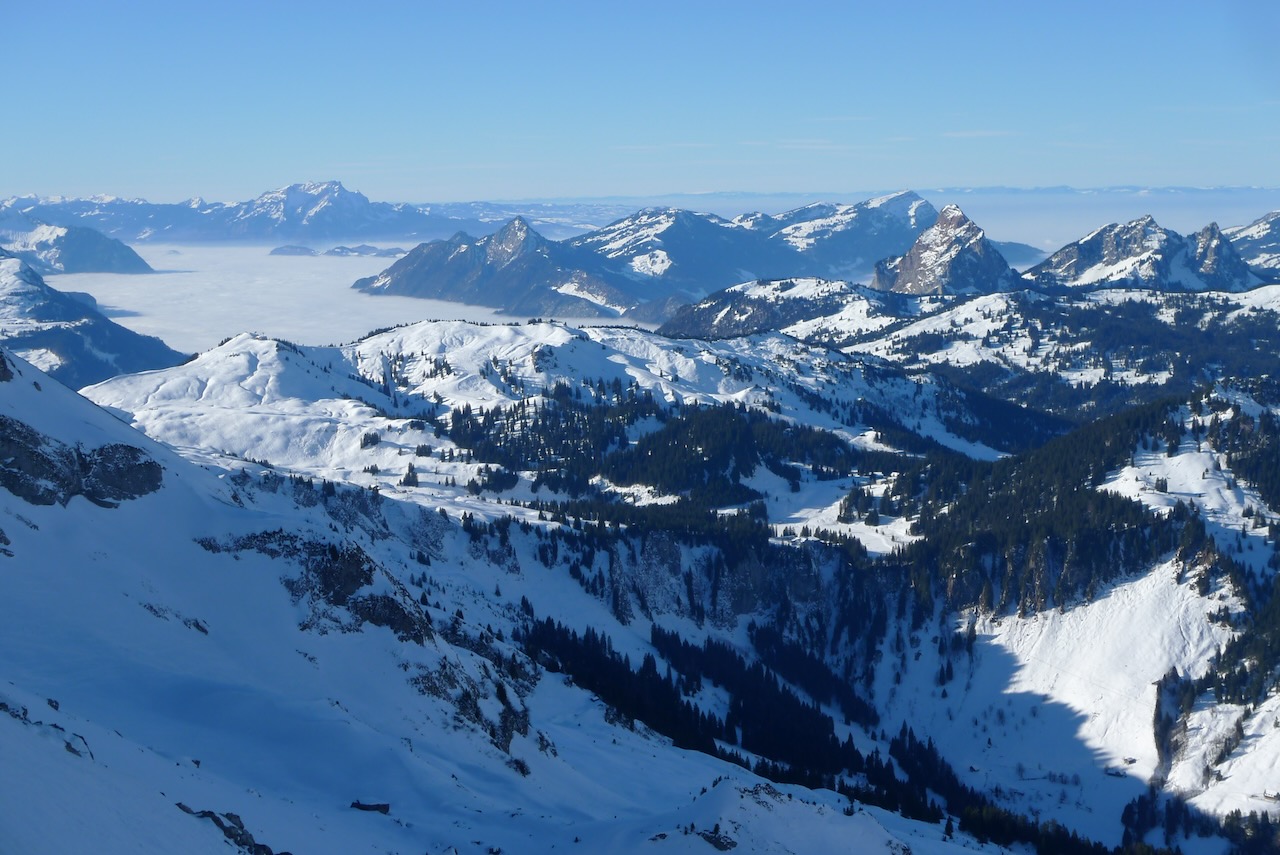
309 408
143 686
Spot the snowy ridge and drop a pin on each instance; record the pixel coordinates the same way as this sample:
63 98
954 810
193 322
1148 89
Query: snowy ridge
638 234
830 311
1143 254
1259 243
254 398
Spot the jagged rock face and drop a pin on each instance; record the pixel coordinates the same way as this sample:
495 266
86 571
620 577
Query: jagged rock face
332 583
1259 244
1143 254
512 241
1218 262
953 256
43 471
1099 256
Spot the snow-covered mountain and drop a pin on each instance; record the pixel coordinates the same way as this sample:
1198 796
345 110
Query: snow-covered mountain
307 212
953 256
320 669
779 304
1074 354
319 210
847 240
439 367
65 334
312 411
971 564
1259 244
416 646
58 249
647 264
515 269
1141 254
689 252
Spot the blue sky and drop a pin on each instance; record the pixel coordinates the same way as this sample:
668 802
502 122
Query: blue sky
434 101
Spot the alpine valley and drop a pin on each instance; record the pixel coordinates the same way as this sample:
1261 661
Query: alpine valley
838 533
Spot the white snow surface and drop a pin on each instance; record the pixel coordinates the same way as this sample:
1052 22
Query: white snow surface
136 679
255 398
1055 709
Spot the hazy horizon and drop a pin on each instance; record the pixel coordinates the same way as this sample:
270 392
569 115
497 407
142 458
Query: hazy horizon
499 100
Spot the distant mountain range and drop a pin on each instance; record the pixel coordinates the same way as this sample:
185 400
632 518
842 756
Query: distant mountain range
300 212
645 265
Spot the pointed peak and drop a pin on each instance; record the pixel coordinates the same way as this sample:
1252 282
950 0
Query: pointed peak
514 239
517 228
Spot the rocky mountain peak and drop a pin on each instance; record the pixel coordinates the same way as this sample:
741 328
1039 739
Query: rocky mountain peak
1142 253
953 256
951 217
1218 262
514 239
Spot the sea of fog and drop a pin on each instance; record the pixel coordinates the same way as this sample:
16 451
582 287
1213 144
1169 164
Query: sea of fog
203 294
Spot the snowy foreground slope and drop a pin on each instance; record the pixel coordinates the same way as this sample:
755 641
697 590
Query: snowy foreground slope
325 599
1081 677
225 640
